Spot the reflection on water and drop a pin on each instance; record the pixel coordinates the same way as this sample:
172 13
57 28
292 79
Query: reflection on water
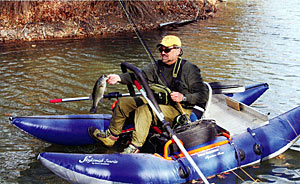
283 170
256 41
283 175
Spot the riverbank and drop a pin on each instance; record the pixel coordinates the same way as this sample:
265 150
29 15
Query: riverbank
46 20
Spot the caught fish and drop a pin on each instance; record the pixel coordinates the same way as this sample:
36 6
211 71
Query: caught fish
98 92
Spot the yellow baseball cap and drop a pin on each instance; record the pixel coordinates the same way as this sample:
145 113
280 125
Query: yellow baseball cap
169 41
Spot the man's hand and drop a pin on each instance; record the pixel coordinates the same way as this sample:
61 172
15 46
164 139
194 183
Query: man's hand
113 79
176 96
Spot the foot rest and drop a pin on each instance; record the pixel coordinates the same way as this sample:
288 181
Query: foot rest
233 103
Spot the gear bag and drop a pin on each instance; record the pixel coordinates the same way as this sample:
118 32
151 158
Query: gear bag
195 133
192 134
161 93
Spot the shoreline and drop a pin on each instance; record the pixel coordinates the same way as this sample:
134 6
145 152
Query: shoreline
77 20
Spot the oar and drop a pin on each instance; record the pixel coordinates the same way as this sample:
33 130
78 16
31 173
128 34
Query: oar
148 95
235 86
109 96
166 124
59 100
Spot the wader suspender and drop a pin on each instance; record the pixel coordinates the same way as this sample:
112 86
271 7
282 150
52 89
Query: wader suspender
176 76
177 71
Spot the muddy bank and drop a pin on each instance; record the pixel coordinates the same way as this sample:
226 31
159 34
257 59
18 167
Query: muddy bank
44 20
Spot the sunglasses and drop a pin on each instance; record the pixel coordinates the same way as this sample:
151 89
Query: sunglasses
167 49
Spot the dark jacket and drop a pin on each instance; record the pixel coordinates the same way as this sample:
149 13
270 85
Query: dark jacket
190 85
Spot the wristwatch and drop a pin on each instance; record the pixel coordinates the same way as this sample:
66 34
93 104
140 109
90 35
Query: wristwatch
184 99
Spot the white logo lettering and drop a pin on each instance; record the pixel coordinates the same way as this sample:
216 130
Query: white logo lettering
103 161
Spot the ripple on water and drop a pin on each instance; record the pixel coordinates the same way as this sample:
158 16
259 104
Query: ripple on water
257 41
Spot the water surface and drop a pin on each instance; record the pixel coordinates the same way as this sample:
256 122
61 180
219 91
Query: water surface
257 41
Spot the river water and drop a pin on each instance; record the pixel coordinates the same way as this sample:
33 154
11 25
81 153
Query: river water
257 41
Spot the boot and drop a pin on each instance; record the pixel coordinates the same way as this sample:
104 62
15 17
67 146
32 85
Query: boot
131 149
105 137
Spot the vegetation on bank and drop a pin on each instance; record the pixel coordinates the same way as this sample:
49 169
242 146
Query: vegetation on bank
40 20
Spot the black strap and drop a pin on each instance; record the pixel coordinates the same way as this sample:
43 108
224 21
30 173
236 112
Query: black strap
139 101
237 152
258 148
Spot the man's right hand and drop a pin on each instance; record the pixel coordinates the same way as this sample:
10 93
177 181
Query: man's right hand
113 79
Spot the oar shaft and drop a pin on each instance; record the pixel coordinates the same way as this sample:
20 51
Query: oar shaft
109 95
158 114
69 99
190 159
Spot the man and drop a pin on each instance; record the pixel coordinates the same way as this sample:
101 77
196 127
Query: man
181 76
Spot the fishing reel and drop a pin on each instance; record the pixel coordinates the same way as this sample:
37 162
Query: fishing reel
179 121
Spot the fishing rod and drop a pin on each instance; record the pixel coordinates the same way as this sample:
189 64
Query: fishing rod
155 106
150 55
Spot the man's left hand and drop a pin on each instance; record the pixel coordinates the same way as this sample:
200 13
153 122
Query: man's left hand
176 96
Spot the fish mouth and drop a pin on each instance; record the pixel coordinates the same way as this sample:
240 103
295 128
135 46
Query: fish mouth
104 78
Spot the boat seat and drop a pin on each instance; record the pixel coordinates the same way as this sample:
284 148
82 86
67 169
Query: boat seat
199 112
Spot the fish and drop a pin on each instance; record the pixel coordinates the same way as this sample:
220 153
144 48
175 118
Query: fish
98 92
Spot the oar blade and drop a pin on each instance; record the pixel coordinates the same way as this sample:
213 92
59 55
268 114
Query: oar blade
55 100
228 86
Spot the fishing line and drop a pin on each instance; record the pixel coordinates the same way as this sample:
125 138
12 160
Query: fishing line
152 59
257 180
292 126
238 176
